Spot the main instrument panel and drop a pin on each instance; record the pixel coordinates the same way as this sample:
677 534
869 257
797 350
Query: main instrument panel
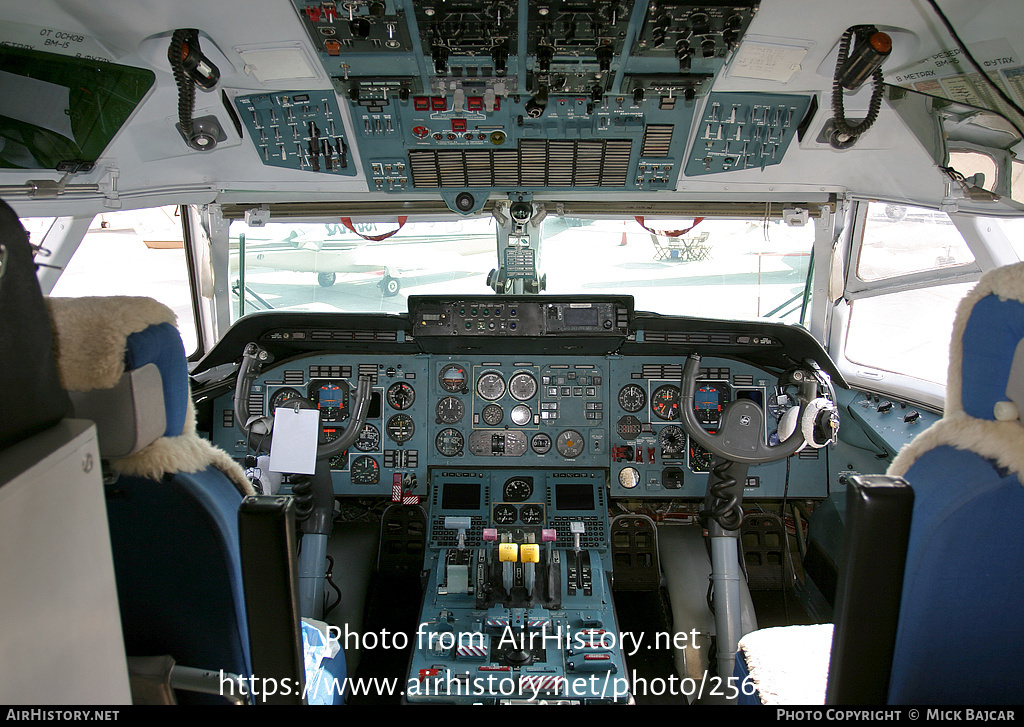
457 405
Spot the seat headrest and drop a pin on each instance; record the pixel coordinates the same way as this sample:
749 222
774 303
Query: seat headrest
985 385
33 397
123 361
986 358
124 364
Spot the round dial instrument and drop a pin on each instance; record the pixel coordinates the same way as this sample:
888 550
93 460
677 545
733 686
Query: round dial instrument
338 461
522 386
453 378
449 442
531 514
665 402
632 398
400 428
492 415
400 395
369 439
521 415
629 477
541 443
672 441
505 514
490 386
517 489
283 396
450 410
365 471
700 459
569 444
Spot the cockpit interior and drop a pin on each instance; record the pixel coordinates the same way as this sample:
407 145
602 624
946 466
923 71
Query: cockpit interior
620 352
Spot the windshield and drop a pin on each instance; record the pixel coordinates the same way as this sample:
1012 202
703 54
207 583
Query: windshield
733 269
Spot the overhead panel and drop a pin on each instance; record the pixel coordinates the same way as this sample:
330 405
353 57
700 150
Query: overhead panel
518 95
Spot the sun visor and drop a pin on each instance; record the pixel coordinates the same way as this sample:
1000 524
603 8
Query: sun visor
59 112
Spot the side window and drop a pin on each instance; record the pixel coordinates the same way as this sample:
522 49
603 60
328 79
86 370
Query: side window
900 240
911 270
905 332
139 253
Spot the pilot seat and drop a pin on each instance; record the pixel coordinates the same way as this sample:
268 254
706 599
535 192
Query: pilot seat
173 503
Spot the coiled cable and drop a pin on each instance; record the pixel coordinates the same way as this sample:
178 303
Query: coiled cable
725 502
847 133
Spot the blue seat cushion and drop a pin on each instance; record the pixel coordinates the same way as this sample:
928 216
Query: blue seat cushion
960 637
183 597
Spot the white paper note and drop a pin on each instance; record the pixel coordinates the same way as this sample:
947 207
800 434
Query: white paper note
293 446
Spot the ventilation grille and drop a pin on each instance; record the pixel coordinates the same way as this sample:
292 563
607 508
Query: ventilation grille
536 163
807 453
662 371
721 339
323 335
294 378
657 140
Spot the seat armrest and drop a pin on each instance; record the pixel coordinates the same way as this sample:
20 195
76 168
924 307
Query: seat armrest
878 513
267 535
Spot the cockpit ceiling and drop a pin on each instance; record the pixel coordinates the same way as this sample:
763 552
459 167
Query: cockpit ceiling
459 100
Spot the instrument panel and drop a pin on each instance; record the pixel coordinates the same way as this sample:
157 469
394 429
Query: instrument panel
520 414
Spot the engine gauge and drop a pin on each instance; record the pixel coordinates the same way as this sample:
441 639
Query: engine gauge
369 439
449 442
632 398
453 378
490 386
400 395
449 410
400 428
532 514
629 477
541 443
569 444
517 489
672 441
492 415
505 514
665 402
522 386
364 471
521 415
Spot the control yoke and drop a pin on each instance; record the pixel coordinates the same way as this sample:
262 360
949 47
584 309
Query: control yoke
257 429
740 436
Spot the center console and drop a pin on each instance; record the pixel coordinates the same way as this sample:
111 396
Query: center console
518 602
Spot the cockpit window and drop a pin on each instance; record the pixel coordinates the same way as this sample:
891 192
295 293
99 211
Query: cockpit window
136 253
735 269
899 240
